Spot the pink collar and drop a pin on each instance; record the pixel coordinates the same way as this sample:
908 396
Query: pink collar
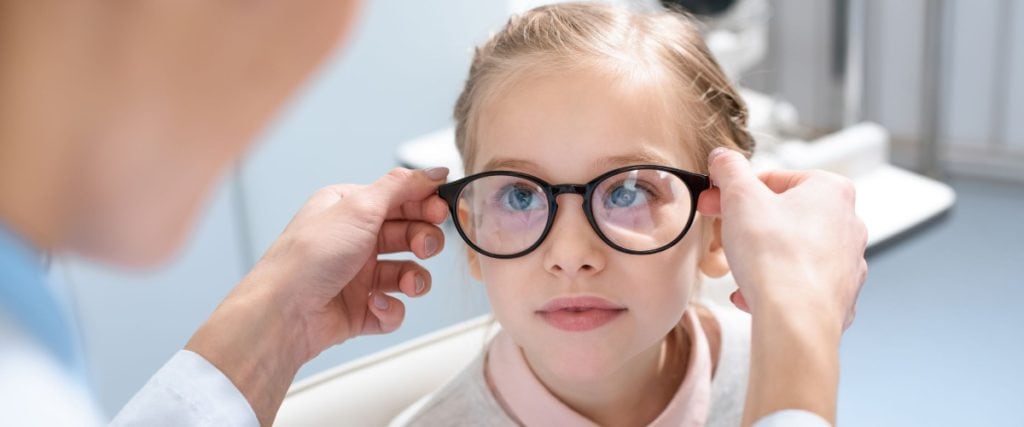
530 402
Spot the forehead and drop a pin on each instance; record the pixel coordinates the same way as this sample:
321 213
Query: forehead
577 124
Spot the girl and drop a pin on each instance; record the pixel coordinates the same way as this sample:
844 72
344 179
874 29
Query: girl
583 128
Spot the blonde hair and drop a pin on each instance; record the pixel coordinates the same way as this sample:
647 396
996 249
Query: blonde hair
572 35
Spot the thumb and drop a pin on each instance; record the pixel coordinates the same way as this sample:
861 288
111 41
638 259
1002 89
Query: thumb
730 170
402 185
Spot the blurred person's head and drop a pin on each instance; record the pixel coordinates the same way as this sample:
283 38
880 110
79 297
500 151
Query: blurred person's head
117 118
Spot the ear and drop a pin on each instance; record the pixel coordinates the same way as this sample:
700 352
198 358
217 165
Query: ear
712 261
473 259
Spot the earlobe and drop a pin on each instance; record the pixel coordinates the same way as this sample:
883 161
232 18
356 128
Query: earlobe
713 262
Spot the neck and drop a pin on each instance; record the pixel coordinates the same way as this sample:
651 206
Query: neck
636 393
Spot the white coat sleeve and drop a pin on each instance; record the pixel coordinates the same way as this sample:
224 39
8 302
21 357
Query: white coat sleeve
792 418
188 390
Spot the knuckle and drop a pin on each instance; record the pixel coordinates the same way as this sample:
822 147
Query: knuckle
846 188
400 174
408 209
725 161
819 175
327 194
360 204
410 233
841 185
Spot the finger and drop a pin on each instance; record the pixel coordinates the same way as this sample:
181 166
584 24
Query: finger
781 180
731 171
406 277
433 209
739 301
710 202
386 314
402 185
423 239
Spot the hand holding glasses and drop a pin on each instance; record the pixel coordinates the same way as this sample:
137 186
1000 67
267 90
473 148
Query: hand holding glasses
640 209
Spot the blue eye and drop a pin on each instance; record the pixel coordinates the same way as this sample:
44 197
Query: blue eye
521 199
624 196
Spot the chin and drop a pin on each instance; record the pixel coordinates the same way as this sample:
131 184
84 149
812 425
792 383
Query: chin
150 254
140 243
583 364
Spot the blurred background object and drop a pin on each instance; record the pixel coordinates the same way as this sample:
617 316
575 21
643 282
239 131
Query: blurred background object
941 82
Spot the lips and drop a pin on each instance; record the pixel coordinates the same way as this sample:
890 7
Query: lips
580 313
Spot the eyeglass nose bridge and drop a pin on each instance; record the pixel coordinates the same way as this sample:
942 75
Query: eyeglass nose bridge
557 190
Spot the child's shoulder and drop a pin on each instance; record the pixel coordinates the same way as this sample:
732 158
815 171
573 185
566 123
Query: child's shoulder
465 400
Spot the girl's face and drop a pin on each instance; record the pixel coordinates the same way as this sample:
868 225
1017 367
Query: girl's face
570 128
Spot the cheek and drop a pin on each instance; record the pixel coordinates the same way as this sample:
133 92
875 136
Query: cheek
505 281
510 290
671 275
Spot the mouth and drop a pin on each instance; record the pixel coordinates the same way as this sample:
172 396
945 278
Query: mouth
579 314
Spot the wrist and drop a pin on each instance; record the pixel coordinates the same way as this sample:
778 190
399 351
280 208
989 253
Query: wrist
803 310
801 295
794 356
251 340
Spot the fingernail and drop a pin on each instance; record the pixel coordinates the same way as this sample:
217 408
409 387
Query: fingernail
436 173
420 284
718 151
380 302
430 244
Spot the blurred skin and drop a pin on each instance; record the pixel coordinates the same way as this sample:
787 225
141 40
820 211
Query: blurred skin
613 374
118 117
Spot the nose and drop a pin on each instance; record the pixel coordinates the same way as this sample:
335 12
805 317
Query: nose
572 249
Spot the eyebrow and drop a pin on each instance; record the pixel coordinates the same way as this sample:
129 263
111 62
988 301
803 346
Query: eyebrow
611 162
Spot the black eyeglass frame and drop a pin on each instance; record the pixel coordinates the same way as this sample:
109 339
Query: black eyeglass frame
450 192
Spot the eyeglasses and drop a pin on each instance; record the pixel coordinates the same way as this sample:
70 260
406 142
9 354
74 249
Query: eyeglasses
639 210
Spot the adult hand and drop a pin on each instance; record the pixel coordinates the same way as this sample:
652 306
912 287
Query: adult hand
322 283
796 249
788 235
